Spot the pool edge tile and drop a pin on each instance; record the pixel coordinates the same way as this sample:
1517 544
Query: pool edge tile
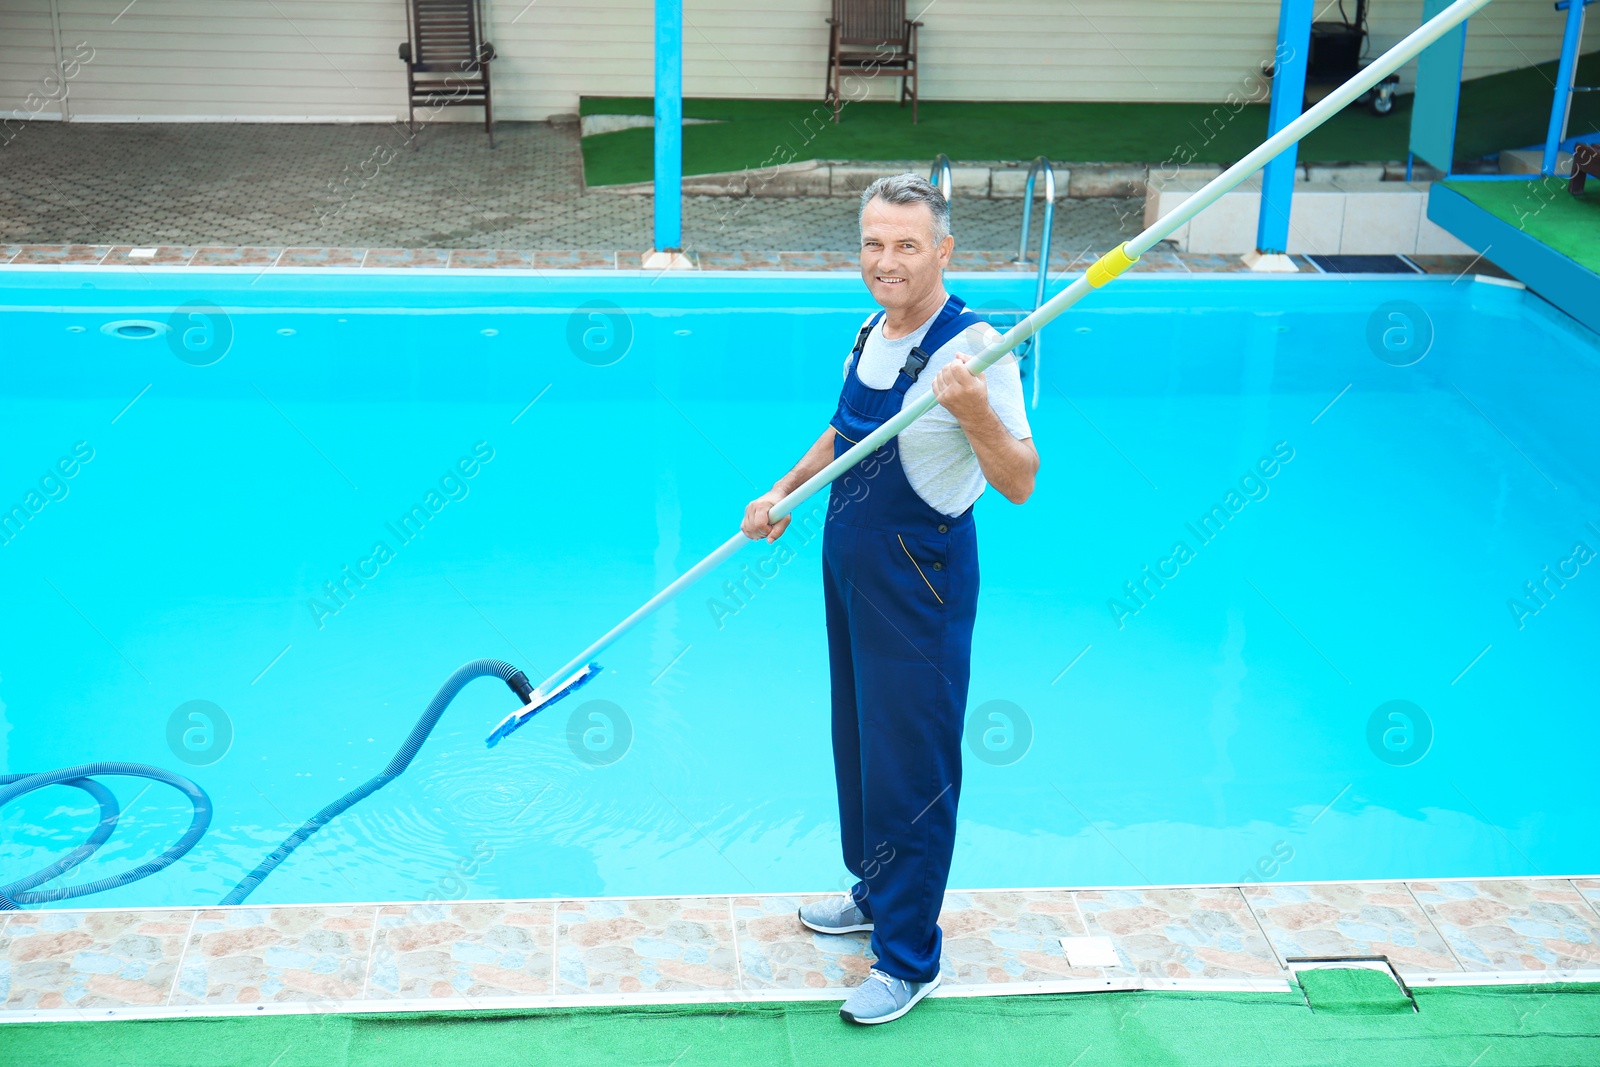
739 261
312 945
236 256
104 957
1588 889
449 951
1149 915
981 261
1211 263
401 258
639 946
489 259
1158 262
576 259
832 261
5 961
990 261
45 255
1005 919
301 256
1024 928
1494 925
1333 937
183 953
777 953
165 256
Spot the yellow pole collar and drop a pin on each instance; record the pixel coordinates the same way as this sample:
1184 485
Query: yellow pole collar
1110 265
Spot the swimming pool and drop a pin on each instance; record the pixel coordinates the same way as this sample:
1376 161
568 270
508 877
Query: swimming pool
1357 524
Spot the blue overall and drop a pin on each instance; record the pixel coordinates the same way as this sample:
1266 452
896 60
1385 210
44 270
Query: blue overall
900 583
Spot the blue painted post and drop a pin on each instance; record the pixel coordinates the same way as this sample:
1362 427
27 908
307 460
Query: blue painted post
1288 93
1565 75
1438 95
669 125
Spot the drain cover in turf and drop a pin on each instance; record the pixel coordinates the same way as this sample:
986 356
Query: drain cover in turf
1352 991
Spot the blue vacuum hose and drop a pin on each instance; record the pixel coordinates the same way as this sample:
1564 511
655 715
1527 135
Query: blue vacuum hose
478 668
12 786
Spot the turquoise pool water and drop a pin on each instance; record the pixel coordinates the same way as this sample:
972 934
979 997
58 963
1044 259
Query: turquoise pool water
1232 721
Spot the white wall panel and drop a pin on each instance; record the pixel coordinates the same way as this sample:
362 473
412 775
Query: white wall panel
335 59
29 83
250 59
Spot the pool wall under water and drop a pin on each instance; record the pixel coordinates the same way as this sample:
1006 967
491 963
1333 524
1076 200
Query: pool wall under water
1304 592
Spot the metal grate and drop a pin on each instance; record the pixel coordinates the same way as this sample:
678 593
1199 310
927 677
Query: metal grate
1364 265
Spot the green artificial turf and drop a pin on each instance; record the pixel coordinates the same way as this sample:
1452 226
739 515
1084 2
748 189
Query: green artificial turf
1543 209
1353 991
1483 1026
1501 111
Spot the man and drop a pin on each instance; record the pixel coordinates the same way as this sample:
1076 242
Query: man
900 583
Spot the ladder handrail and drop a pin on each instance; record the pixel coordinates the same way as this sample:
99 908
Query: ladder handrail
1040 164
939 175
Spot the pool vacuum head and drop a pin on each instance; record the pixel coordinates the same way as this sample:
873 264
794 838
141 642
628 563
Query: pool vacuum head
538 701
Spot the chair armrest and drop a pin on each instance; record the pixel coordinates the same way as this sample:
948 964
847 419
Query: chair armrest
405 51
486 52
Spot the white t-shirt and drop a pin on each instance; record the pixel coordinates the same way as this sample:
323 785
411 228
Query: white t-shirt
934 451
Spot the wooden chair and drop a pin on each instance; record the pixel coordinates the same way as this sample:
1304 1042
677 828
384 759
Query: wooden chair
449 53
872 37
1585 164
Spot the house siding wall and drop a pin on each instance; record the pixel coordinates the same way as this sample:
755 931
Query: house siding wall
325 60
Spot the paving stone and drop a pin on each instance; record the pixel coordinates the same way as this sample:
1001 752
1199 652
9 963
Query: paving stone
371 187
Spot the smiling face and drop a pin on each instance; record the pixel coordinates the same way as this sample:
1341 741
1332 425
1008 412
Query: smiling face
900 261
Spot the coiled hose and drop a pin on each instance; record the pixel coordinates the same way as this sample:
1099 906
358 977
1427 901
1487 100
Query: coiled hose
15 894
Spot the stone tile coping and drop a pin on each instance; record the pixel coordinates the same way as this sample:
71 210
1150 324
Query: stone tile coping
474 955
994 180
267 258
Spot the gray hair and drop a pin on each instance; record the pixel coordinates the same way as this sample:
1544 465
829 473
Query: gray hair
912 189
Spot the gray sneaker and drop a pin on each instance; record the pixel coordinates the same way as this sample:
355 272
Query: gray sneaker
838 915
884 998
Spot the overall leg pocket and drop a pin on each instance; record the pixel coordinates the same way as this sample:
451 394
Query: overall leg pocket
927 558
895 608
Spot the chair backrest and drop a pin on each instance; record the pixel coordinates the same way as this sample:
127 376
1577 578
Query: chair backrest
445 34
871 22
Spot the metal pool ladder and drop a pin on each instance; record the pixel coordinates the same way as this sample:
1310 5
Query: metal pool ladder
1029 349
939 176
